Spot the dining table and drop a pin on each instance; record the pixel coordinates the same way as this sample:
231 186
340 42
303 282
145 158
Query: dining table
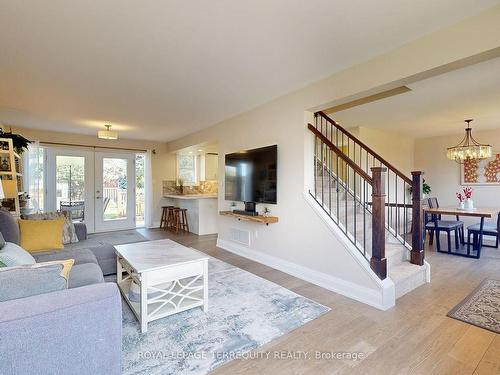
481 213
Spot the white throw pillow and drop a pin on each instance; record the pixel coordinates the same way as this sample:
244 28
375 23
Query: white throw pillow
14 255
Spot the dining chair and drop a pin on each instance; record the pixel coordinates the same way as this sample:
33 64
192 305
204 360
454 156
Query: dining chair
488 230
447 226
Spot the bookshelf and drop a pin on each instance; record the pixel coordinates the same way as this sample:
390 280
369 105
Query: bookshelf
11 174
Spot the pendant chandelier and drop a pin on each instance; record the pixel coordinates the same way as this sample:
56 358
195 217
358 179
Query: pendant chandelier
469 148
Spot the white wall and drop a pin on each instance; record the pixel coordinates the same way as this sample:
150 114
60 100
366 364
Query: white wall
397 149
301 238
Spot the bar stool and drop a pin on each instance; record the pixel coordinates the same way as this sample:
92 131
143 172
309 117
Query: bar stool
170 218
180 220
164 213
184 220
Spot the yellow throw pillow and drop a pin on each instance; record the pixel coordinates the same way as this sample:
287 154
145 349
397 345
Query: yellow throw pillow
40 235
66 264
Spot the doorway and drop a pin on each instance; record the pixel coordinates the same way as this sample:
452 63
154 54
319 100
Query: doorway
105 190
114 191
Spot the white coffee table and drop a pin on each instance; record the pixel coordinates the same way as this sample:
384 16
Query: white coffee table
174 276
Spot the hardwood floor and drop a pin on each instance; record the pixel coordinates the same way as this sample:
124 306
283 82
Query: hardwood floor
414 337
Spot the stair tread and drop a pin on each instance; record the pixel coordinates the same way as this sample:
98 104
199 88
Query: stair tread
404 270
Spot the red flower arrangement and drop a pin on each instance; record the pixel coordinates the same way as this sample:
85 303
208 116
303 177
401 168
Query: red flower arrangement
468 192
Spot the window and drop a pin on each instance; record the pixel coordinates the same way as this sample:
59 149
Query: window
34 159
186 169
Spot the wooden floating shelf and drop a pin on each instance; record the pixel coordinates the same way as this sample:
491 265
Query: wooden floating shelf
256 219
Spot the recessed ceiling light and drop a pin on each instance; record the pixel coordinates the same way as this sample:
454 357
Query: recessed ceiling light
190 152
200 150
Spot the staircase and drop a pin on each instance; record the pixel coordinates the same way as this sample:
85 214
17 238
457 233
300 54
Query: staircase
371 202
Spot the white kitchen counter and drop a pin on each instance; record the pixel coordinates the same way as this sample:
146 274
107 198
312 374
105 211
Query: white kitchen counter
191 196
202 211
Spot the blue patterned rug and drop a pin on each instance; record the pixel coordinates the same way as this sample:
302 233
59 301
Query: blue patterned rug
245 312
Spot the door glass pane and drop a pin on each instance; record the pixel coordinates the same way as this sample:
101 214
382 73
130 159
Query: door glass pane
139 189
70 185
114 197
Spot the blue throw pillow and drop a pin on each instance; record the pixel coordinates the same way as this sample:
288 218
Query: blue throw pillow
25 281
14 255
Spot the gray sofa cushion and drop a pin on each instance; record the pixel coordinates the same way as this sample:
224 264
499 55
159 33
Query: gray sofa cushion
9 227
106 258
81 231
74 331
26 281
85 274
105 253
80 256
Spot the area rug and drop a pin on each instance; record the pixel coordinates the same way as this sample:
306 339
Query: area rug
481 307
245 312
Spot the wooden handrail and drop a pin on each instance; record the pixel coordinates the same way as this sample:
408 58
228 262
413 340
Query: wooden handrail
340 154
368 149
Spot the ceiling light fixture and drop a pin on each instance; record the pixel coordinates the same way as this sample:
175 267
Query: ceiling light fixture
107 134
469 148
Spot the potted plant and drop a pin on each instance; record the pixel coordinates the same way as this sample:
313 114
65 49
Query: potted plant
267 211
180 182
426 189
19 142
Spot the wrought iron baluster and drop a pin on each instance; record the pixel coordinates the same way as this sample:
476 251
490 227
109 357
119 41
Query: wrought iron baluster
388 199
364 219
338 178
330 173
397 207
354 208
315 163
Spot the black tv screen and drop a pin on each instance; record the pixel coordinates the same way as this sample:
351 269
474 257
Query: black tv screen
251 176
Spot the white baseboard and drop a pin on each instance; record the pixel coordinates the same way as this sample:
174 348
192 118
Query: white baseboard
382 299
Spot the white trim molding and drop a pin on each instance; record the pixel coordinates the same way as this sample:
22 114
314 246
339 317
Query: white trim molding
382 299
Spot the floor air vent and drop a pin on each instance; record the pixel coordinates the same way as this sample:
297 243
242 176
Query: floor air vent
240 236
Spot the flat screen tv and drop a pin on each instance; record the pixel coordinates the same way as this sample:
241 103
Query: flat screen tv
251 176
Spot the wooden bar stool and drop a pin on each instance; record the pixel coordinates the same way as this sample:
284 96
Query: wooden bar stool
170 218
164 215
180 220
184 220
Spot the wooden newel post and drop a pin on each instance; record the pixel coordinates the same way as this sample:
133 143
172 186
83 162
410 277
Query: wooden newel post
378 263
417 230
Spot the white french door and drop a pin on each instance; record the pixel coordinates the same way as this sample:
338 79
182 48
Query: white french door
98 187
115 194
70 183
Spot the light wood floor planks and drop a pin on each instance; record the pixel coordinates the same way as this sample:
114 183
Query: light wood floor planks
415 337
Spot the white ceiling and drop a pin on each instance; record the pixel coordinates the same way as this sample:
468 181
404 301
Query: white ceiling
436 106
158 70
